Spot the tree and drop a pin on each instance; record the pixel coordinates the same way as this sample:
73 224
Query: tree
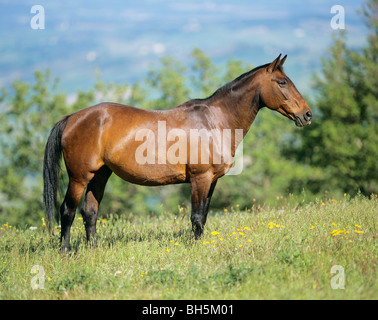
169 83
343 139
26 118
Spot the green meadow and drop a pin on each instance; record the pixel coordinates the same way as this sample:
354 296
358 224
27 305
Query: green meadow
322 250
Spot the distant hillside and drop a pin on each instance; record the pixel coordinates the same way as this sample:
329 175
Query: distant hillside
122 39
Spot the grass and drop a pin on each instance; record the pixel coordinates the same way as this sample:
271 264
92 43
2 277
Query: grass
284 252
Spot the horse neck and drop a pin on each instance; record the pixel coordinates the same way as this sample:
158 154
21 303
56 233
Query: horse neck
240 103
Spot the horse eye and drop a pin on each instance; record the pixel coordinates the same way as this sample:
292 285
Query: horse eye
282 82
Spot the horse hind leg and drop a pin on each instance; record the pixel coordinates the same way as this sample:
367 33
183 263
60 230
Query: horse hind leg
68 209
92 200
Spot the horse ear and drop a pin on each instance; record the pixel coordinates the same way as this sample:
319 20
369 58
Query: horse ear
274 64
283 60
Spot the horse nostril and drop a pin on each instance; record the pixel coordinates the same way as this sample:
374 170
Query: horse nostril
308 115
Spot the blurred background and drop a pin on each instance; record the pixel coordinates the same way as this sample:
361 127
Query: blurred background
121 39
158 54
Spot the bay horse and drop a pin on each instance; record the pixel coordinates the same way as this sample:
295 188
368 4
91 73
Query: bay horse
107 137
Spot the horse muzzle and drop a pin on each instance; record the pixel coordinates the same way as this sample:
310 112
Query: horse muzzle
303 119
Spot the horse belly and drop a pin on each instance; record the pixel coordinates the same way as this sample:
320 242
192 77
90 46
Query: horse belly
142 162
148 174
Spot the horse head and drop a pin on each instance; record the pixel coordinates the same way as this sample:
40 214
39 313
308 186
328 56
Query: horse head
279 93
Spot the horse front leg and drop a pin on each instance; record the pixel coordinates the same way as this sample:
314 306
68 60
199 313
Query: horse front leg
202 188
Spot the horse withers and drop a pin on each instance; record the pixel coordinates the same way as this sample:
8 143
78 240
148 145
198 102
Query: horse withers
194 143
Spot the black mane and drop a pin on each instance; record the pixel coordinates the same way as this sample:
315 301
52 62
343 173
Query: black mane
235 83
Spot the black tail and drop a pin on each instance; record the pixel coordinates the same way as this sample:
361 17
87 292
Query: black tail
51 170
